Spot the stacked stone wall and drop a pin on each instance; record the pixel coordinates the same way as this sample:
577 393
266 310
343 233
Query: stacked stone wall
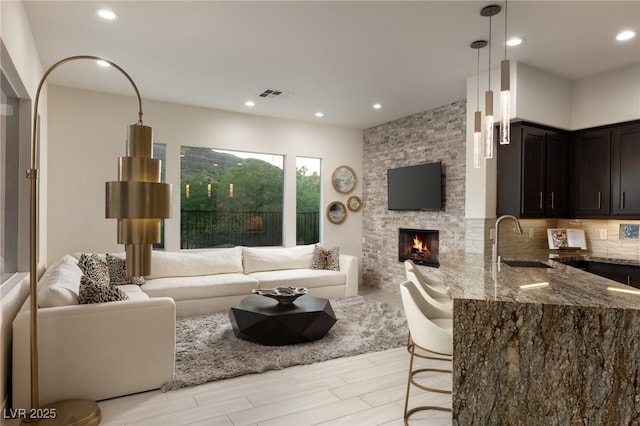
430 136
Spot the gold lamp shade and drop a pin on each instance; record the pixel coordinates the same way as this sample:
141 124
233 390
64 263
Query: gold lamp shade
138 200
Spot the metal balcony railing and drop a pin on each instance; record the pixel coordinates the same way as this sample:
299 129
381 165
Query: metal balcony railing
209 229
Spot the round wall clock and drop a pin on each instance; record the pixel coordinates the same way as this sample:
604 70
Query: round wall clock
354 203
343 179
336 212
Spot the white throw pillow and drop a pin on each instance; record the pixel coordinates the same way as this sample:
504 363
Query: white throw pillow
257 259
60 284
191 264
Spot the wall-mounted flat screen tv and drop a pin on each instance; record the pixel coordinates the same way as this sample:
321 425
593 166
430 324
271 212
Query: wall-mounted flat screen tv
415 187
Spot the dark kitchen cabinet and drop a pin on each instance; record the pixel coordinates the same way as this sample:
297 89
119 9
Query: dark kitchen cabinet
591 183
625 274
629 275
625 170
533 172
606 172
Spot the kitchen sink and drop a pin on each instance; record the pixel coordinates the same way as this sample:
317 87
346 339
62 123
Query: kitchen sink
526 264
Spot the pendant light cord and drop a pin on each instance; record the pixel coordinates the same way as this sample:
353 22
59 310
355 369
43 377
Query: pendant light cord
478 83
505 29
489 88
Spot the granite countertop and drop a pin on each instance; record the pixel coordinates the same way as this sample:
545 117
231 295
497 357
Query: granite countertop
473 276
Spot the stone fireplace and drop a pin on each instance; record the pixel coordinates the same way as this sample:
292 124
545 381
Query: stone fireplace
418 245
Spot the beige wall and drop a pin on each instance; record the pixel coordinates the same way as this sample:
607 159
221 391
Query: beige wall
607 98
87 133
21 65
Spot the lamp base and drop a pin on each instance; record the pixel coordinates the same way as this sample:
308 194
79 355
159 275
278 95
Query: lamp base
70 412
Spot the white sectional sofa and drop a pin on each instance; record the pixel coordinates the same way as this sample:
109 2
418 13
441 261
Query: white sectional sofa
101 351
214 280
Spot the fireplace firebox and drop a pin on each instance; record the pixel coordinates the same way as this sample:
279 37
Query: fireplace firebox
418 245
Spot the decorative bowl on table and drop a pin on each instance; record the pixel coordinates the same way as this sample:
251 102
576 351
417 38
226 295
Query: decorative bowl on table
284 295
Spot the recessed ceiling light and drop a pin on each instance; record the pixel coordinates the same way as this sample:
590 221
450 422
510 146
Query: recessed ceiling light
250 104
626 35
103 63
107 14
515 41
377 106
319 114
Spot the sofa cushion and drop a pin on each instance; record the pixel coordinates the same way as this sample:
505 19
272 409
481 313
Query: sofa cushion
308 278
133 291
326 259
256 259
93 291
118 271
60 284
200 287
190 264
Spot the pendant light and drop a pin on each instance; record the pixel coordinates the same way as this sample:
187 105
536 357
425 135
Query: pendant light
488 100
477 124
505 90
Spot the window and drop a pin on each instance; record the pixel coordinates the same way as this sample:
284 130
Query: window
307 200
160 152
230 198
9 175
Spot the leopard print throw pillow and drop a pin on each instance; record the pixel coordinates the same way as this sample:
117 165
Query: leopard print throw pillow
326 259
94 267
92 291
118 272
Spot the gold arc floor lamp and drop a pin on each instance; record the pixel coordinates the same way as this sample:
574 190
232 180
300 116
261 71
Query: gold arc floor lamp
139 201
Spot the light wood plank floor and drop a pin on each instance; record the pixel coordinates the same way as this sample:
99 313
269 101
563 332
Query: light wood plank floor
364 390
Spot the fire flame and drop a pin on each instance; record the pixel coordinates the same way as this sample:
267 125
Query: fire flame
419 246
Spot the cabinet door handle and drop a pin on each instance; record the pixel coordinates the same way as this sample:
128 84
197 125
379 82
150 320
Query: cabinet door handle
552 201
621 200
540 200
599 200
628 279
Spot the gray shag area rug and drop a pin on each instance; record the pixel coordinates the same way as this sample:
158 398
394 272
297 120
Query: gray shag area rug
207 350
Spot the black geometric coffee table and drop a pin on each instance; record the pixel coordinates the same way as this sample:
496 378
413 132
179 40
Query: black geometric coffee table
263 320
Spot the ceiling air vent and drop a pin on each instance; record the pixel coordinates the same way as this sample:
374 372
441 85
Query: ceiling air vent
274 94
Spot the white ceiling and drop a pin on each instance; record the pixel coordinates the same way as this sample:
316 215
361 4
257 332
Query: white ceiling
338 57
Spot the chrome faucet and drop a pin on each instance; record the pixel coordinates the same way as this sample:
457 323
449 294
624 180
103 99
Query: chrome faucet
495 257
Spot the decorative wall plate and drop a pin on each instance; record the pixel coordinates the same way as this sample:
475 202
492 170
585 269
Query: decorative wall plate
354 203
343 179
336 212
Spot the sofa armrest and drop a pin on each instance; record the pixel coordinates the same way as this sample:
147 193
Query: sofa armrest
349 264
96 351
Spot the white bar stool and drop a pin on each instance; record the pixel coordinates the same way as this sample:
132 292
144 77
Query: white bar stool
431 330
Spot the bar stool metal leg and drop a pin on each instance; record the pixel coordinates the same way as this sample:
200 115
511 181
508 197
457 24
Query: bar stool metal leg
411 380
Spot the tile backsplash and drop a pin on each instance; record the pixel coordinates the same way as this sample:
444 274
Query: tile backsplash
603 237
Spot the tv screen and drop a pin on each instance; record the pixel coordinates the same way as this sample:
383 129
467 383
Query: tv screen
415 187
